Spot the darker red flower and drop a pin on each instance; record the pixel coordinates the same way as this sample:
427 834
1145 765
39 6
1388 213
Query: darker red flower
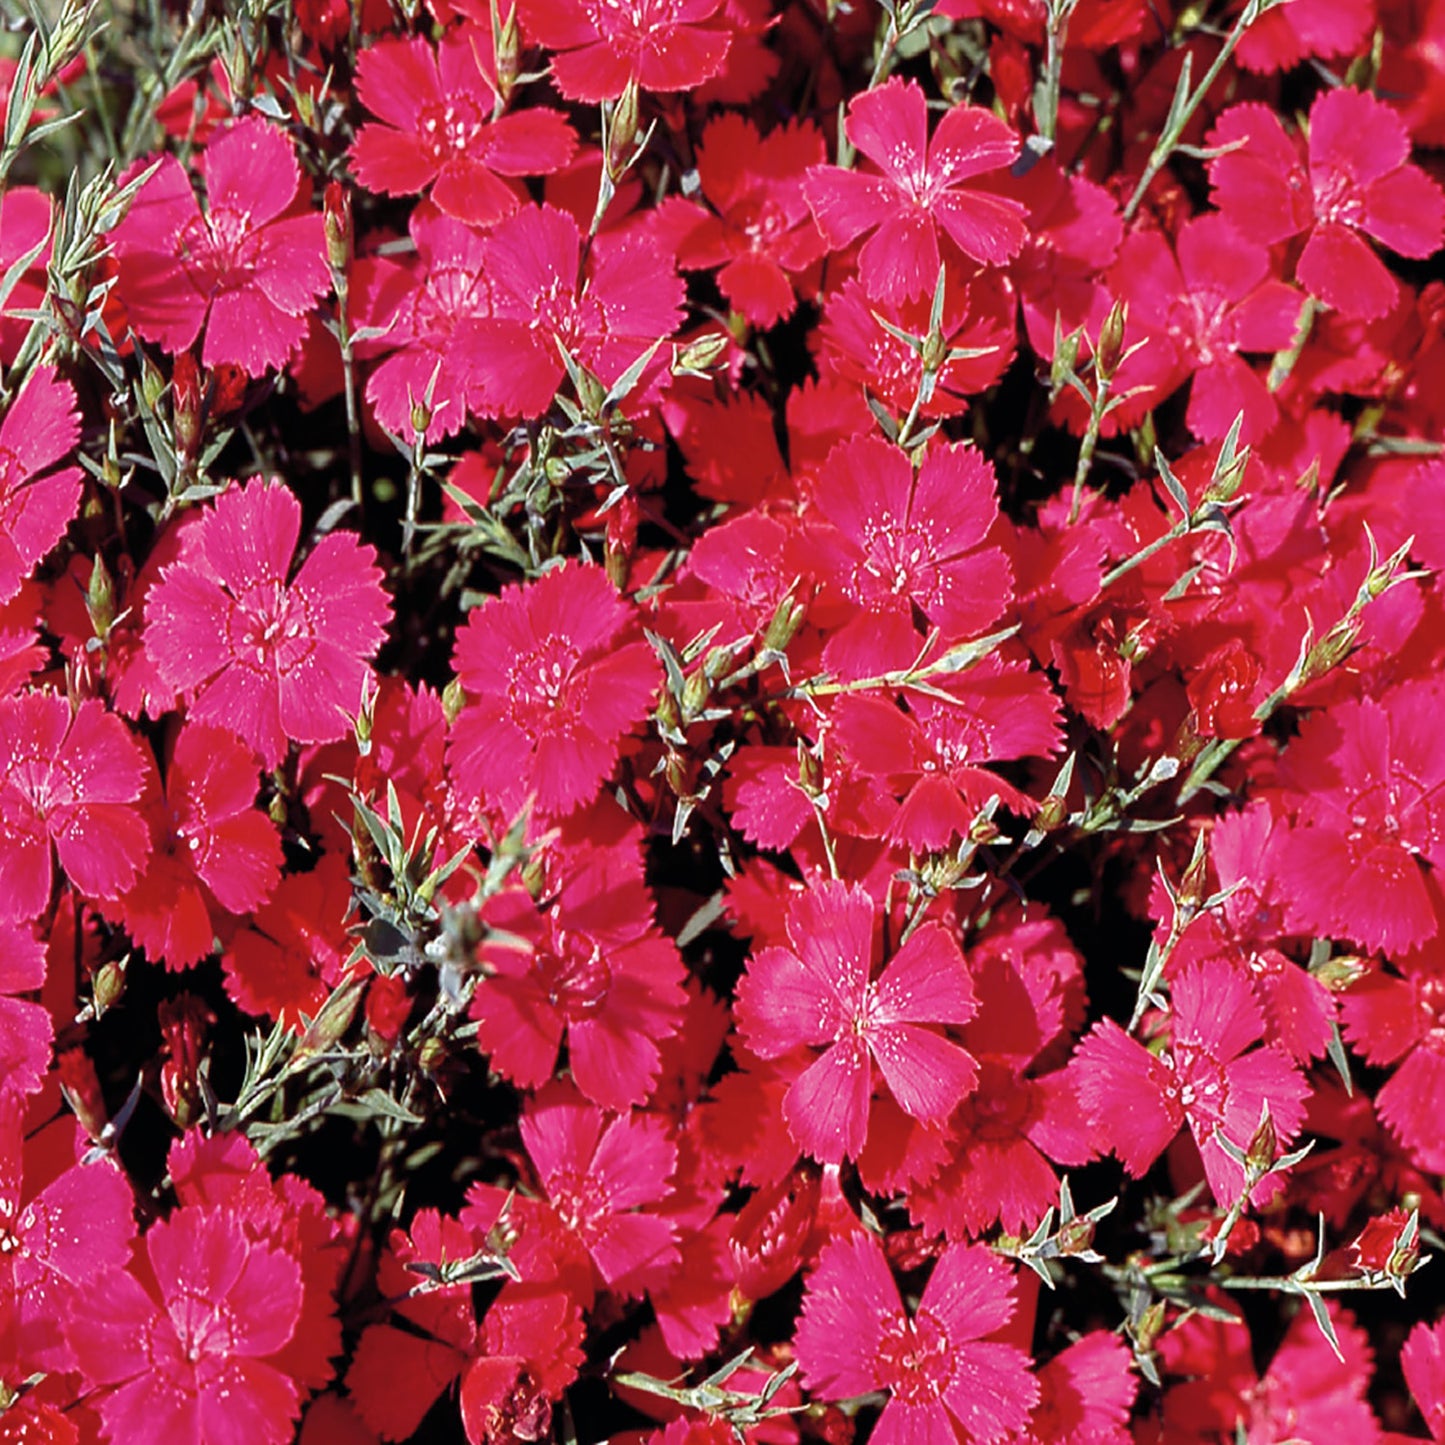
71 780
275 658
192 1361
247 270
1358 181
604 47
552 686
821 992
438 127
945 1379
920 190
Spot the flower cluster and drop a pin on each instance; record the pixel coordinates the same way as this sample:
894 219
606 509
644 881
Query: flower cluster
692 692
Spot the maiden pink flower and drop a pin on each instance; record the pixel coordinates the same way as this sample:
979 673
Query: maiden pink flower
604 46
71 780
821 992
1358 181
438 128
1209 1077
1423 1361
552 688
921 192
36 501
245 270
271 656
191 1362
946 1380
25 1028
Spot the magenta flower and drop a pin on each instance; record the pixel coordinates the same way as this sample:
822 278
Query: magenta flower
270 658
72 781
920 190
245 269
1358 182
193 1366
26 1032
821 992
604 47
437 128
36 502
946 1381
553 688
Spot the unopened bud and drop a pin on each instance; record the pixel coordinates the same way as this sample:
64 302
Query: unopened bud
1225 487
1263 1149
984 831
694 695
152 384
1066 359
622 132
1110 350
1077 1236
669 719
432 1055
507 44
454 699
1340 971
100 598
109 985
935 352
1150 1325
336 215
783 628
810 772
421 416
187 391
1053 813
702 354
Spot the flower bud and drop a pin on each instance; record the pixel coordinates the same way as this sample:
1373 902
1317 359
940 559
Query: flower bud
1077 1236
783 628
507 45
432 1056
1263 1149
100 598
700 355
454 699
421 416
1066 359
109 985
186 396
336 214
622 132
695 694
1110 351
80 1085
1053 813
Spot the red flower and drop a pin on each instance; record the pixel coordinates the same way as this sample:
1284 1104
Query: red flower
246 271
553 689
438 125
604 315
1085 1394
1208 1077
70 780
945 1380
923 189
821 992
599 1179
272 659
591 966
1368 779
1358 179
191 1363
655 44
759 229
212 845
36 503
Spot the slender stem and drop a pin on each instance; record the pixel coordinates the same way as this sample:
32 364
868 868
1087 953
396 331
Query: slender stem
1086 448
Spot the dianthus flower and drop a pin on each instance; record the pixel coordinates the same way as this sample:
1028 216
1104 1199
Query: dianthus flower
191 1363
25 1028
1358 180
604 46
759 230
552 689
1085 1394
627 298
1368 781
923 189
599 1177
821 992
1423 1360
244 270
272 657
72 780
946 1381
211 846
590 965
1208 1077
437 127
36 502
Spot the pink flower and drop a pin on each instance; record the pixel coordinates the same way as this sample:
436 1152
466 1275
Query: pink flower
1368 779
1358 180
438 127
272 659
922 190
212 846
70 780
245 270
820 992
1085 1394
759 228
605 47
1208 1077
1423 1360
588 964
599 1178
552 689
191 1363
605 314
25 1029
36 502
945 1380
